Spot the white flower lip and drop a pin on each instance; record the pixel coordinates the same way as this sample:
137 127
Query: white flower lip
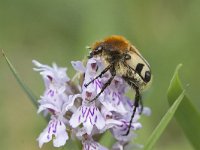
56 129
88 116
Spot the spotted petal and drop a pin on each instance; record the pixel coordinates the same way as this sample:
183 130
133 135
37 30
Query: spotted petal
56 129
88 116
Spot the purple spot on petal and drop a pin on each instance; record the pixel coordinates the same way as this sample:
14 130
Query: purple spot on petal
90 120
95 120
54 131
50 78
51 93
79 118
49 129
84 111
87 115
92 112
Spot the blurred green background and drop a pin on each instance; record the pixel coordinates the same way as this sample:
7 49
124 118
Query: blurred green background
166 33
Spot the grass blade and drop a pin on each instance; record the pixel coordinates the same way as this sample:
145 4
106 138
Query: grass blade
186 115
29 93
163 123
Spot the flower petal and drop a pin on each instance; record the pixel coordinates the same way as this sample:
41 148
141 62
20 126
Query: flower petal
61 135
55 128
71 100
75 119
78 66
90 144
146 111
89 116
44 137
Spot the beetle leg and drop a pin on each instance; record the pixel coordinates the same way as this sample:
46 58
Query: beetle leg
136 105
113 73
99 76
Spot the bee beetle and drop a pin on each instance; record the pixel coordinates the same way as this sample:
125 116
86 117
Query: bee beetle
122 59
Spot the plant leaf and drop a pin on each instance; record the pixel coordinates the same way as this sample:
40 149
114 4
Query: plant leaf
72 144
29 93
163 123
186 115
107 140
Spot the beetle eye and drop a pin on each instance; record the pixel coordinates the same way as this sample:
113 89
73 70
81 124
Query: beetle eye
147 76
99 48
127 56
